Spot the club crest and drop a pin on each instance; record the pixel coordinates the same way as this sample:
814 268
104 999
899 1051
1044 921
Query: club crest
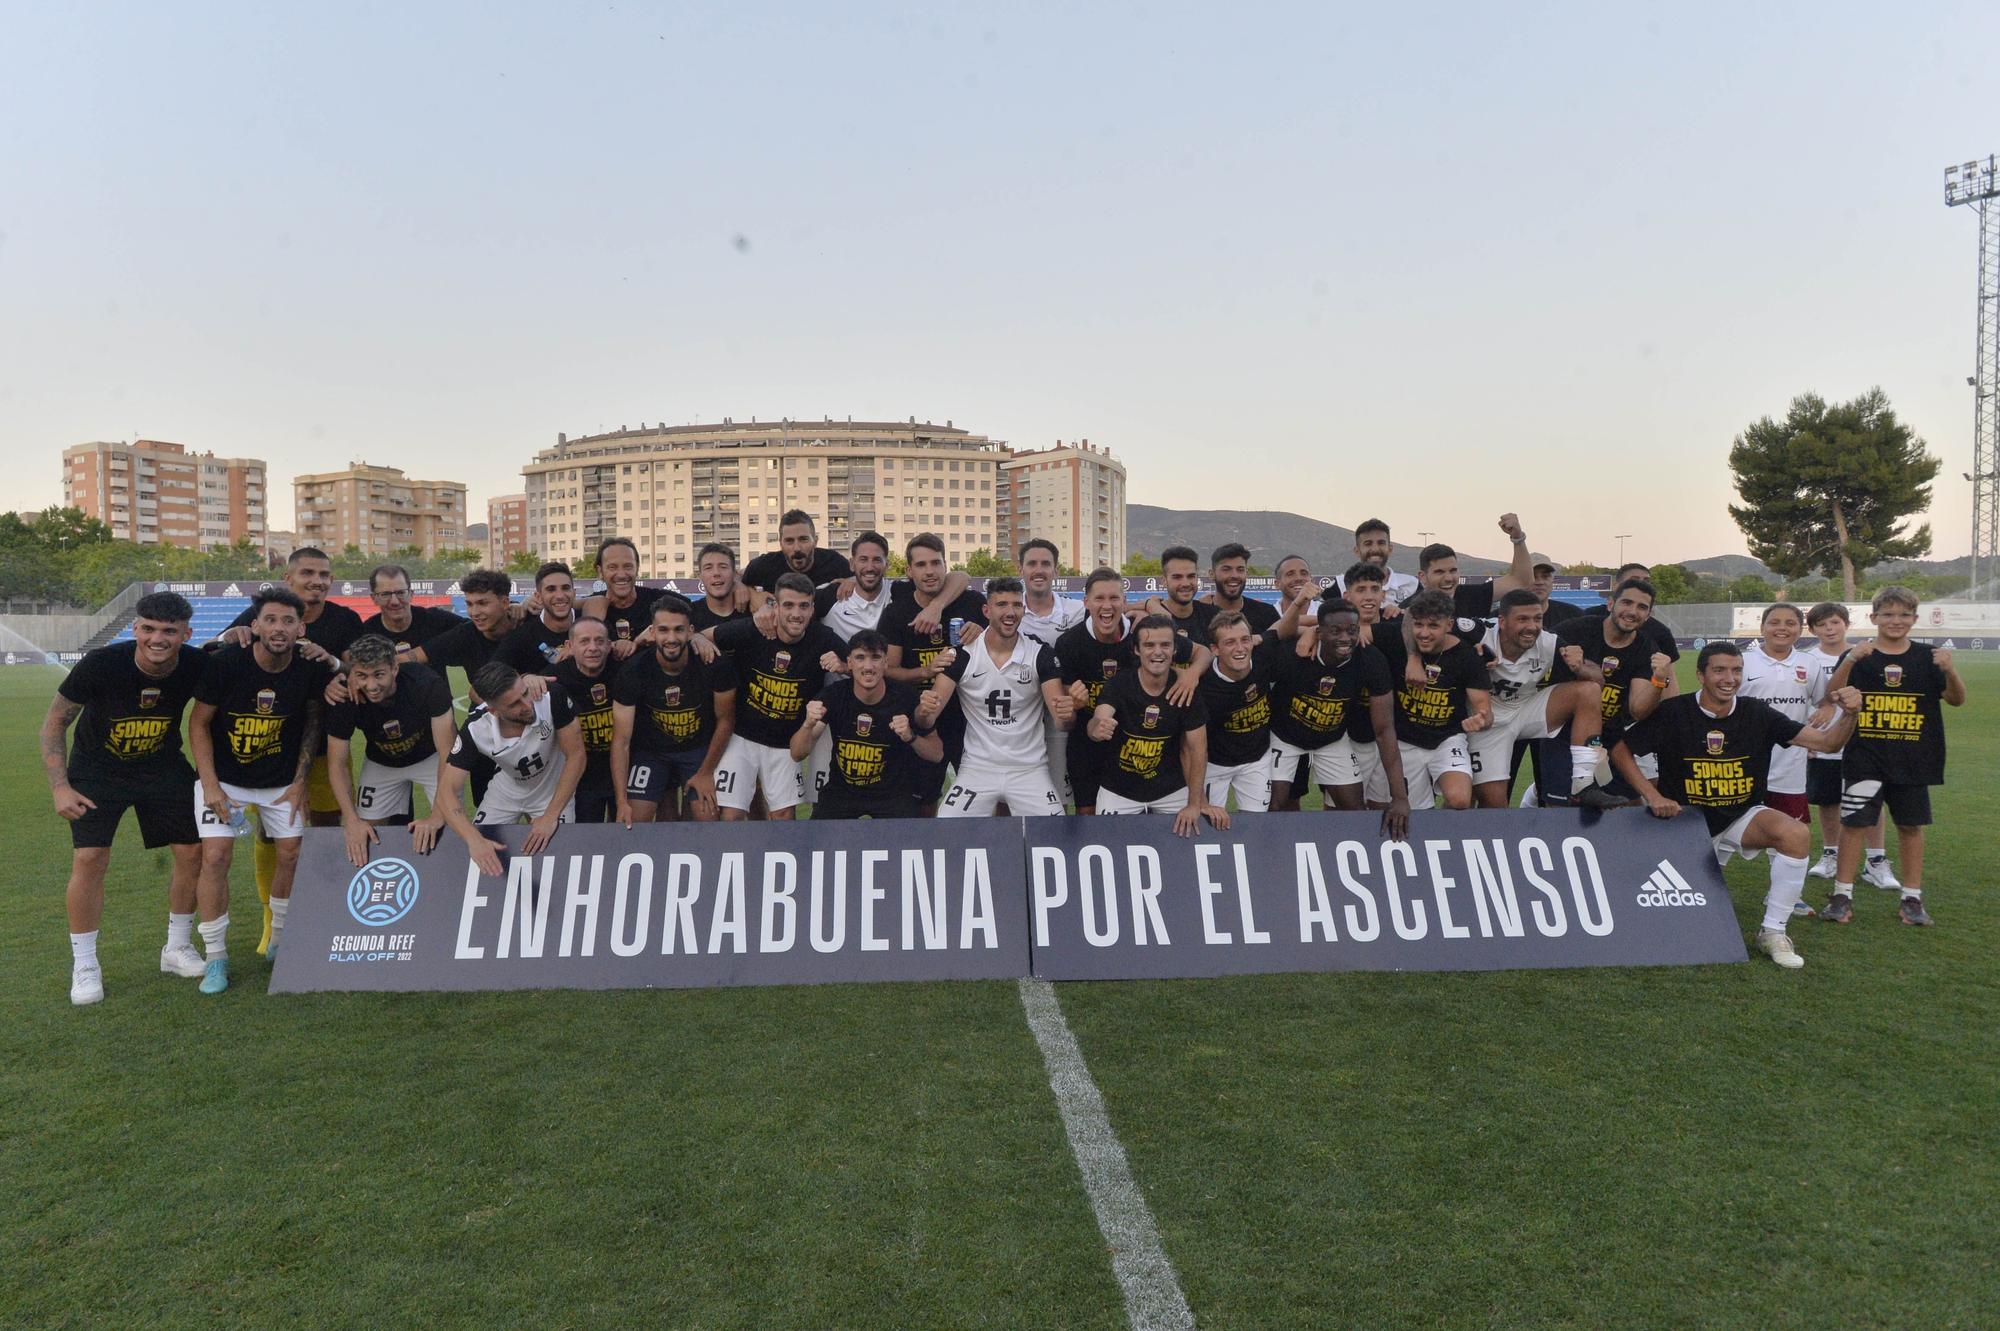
1110 669
1325 687
1432 670
864 724
624 631
1799 673
1714 739
1892 676
392 729
782 662
1152 720
1250 694
267 700
1610 665
149 697
673 695
599 695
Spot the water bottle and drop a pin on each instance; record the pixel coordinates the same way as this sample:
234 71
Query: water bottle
957 627
239 821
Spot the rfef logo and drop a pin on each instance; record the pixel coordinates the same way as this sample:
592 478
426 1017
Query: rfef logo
382 892
1666 887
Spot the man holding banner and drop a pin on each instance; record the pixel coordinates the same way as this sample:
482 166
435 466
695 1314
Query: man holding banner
533 747
1714 754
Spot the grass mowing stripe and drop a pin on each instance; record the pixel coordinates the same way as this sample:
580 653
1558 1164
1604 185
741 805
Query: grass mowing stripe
1153 1297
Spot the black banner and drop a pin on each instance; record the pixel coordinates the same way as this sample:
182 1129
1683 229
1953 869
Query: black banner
694 905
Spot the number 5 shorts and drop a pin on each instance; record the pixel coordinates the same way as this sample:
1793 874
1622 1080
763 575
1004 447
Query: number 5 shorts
384 792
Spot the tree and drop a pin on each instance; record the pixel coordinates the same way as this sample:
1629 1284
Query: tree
1584 568
524 561
1140 566
1829 489
1672 584
985 564
67 529
1749 587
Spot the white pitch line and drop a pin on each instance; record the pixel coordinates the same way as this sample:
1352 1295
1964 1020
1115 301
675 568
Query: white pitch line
1153 1298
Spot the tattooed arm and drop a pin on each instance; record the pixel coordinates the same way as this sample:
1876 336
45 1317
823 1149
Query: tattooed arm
55 757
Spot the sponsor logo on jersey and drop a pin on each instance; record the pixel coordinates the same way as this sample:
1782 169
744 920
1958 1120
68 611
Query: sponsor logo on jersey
1892 676
782 662
149 697
1152 720
864 724
599 695
1715 740
267 700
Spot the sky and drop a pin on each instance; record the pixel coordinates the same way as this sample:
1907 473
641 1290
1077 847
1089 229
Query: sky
1426 263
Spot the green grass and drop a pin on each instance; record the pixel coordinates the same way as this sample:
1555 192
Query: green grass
1675 1147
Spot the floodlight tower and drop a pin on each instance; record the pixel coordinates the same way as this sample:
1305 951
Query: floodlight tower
1978 183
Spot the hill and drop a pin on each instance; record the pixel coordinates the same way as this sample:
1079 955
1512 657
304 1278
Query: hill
1270 535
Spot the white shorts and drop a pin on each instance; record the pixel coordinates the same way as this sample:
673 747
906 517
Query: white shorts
384 792
746 765
1058 741
497 811
1422 767
1492 749
1251 783
279 820
819 765
1331 764
976 792
1111 802
1368 763
1729 841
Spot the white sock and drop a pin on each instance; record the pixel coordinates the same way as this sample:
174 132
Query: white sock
1916 893
180 929
1531 798
215 936
1788 884
278 907
1875 855
83 948
1843 889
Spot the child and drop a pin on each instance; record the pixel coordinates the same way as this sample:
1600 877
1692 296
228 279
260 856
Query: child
1828 623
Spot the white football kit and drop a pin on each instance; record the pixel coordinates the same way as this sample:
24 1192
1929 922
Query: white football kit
1006 749
1793 687
1520 694
1064 615
527 767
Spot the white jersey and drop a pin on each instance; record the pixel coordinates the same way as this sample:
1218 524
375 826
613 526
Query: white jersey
1793 687
1514 684
852 614
528 766
1003 703
1399 588
1045 629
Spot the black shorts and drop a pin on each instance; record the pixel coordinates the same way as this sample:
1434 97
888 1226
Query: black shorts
654 776
595 806
1861 803
164 805
840 805
1822 781
1084 757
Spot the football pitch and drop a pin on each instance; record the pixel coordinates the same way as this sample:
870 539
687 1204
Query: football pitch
1716 1146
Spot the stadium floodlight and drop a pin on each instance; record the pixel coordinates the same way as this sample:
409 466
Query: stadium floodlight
1622 537
1978 184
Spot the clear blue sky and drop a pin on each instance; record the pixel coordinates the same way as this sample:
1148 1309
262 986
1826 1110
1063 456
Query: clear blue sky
1341 260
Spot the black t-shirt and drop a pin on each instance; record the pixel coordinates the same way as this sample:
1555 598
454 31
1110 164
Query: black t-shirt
1319 701
1262 615
462 645
1195 627
1239 710
672 713
1142 761
775 678
1621 665
919 648
1472 600
1656 636
1899 733
130 728
1427 715
1557 613
1716 764
531 646
705 617
764 571
260 715
1082 657
426 622
336 627
398 731
869 769
625 623
590 698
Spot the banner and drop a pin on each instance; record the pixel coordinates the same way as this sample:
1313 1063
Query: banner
1484 889
678 905
695 905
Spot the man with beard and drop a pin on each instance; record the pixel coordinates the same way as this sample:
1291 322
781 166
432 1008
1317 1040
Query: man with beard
1156 751
534 749
1004 684
1437 570
918 655
776 676
126 700
1441 700
396 616
798 552
537 642
255 728
847 606
1180 570
1330 708
1373 546
405 717
1229 570
1520 657
1710 751
1554 613
673 717
625 607
588 675
1049 616
1611 652
878 731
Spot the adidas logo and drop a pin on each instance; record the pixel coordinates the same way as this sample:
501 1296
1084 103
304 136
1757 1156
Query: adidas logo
1666 887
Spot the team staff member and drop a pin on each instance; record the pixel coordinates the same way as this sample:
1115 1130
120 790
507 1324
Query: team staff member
396 616
1897 753
534 749
1554 613
776 677
1156 749
1712 751
330 628
588 674
880 734
256 725
1442 698
625 607
126 700
404 714
673 715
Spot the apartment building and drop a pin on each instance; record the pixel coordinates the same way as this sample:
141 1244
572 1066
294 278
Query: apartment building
1072 494
378 509
157 493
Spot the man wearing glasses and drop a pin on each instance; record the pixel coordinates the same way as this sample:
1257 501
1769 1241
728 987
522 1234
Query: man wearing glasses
397 618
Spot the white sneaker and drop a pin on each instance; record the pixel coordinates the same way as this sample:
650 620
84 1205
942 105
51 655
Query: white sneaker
1829 860
183 961
1881 875
1777 945
86 983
